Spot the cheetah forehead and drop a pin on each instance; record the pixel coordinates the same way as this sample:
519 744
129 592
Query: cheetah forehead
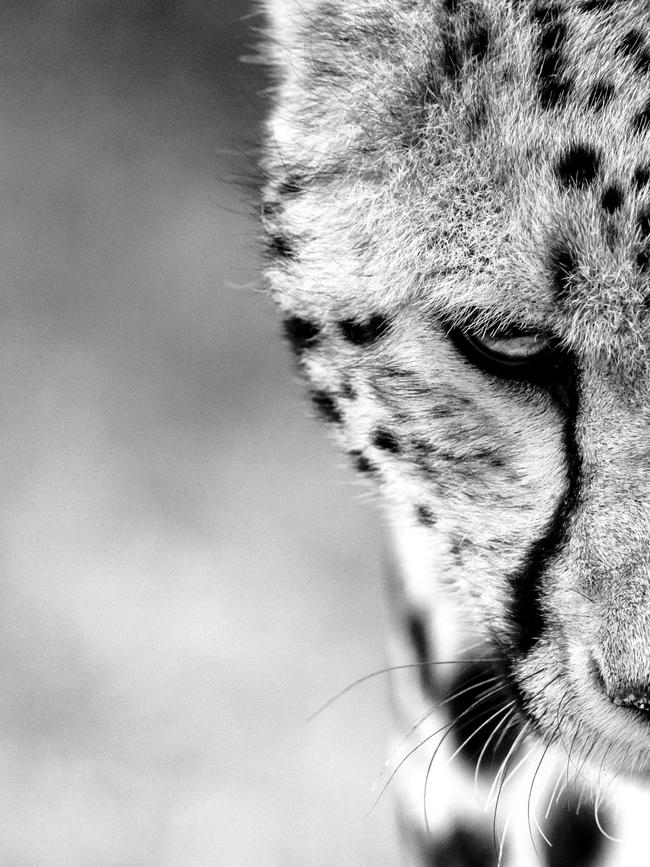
465 154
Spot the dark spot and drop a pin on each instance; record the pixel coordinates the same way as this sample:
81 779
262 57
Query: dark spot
575 837
553 88
554 92
642 62
426 516
550 67
553 36
280 246
632 42
641 120
473 698
361 462
600 94
301 333
562 265
326 406
385 440
366 331
577 166
347 390
633 45
552 84
641 176
464 38
612 198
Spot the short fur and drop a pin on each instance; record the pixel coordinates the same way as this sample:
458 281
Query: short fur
439 166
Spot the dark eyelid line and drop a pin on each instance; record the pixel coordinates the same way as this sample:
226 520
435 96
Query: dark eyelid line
541 368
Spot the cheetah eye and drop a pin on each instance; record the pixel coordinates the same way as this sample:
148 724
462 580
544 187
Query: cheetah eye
520 355
511 350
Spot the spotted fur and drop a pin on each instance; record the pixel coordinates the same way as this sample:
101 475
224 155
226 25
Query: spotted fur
441 172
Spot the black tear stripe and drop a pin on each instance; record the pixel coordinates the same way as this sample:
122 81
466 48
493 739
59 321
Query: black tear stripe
526 610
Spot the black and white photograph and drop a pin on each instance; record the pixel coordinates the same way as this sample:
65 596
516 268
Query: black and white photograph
325 412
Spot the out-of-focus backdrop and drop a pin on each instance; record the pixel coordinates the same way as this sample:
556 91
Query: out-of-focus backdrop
187 570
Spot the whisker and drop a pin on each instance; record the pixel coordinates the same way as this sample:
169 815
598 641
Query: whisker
501 711
500 774
507 779
584 762
532 785
504 723
387 670
453 724
598 822
407 756
551 800
502 842
505 731
498 780
437 706
568 761
542 834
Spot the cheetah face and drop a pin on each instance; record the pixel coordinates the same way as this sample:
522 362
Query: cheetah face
458 223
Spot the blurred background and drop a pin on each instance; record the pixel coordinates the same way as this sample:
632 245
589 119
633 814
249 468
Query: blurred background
187 571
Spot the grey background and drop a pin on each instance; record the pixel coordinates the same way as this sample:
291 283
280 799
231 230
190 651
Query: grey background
187 570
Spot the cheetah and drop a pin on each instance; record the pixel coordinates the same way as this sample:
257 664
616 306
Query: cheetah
457 220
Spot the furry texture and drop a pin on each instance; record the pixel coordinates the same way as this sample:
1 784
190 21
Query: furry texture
439 168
